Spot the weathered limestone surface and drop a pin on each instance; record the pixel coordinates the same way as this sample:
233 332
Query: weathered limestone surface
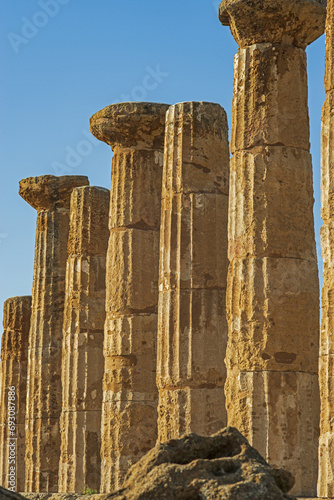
222 466
34 496
192 332
14 361
82 357
9 495
63 496
272 389
135 131
50 196
326 443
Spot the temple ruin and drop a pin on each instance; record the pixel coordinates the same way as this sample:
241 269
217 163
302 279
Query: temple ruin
186 298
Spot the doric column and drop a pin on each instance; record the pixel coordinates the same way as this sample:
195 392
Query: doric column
272 388
135 131
82 360
14 361
326 363
192 332
50 196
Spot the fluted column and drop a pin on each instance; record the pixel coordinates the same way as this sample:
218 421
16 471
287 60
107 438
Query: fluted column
326 363
82 359
273 291
14 361
50 196
192 332
135 131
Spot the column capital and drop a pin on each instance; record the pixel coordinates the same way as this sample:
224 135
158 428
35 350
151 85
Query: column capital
16 323
290 22
139 125
89 231
48 192
16 311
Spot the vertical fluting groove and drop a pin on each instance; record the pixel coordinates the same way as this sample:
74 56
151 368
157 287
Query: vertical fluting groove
192 330
272 294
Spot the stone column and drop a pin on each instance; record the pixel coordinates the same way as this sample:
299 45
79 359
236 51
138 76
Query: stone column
50 196
273 291
326 363
135 131
14 361
192 331
82 360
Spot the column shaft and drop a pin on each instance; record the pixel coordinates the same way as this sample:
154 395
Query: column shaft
272 390
82 355
326 364
51 197
135 132
192 331
14 361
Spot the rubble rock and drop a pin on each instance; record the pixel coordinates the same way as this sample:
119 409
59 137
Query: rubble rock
9 495
222 466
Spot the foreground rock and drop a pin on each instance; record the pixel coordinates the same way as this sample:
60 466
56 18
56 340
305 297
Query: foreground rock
63 496
9 495
222 466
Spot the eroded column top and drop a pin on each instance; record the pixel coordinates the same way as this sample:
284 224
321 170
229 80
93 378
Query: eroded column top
196 148
206 114
291 22
48 192
16 323
89 232
139 125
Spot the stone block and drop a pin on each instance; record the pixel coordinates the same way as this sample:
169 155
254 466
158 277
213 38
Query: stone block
264 296
278 412
192 336
271 204
264 114
132 272
193 241
186 410
196 156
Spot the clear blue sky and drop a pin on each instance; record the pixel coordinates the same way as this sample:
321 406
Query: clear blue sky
85 55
